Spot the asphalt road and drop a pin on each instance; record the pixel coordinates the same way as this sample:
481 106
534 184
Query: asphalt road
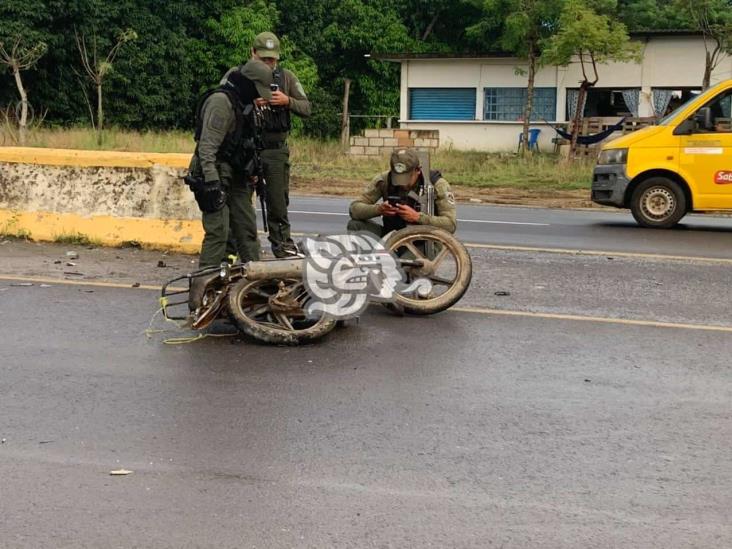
697 235
574 401
458 430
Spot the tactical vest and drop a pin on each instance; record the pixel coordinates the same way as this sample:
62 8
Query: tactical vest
277 119
238 146
411 198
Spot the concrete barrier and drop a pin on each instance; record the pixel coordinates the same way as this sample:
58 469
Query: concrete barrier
110 197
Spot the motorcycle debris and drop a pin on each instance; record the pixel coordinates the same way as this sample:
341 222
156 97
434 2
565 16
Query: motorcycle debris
161 264
57 262
136 285
70 264
23 284
72 255
502 293
120 472
45 286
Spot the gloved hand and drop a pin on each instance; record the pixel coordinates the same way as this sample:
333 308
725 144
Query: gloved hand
210 196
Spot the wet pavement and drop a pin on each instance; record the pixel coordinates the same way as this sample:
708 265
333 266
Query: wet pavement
458 430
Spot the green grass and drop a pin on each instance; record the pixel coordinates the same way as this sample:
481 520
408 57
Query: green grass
19 234
324 160
77 239
11 230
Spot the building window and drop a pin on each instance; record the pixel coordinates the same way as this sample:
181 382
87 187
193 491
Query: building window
508 104
442 103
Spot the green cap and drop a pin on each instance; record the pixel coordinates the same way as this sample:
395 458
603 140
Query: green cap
403 162
261 74
267 45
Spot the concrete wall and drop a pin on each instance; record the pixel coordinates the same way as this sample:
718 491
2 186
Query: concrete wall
668 62
110 197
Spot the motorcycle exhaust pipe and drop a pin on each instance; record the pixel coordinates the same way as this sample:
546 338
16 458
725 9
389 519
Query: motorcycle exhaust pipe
280 268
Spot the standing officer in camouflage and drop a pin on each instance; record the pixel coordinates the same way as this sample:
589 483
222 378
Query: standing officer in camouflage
218 170
401 191
289 97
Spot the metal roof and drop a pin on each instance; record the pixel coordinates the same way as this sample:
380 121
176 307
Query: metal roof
406 56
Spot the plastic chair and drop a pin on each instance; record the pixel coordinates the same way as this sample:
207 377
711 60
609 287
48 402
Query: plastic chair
533 139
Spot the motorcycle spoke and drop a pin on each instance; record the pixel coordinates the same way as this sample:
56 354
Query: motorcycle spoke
284 321
259 311
441 280
412 248
440 256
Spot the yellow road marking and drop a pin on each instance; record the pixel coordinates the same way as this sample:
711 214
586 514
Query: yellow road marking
470 310
636 255
71 282
581 318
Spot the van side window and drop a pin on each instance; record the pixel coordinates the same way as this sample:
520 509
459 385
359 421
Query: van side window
721 107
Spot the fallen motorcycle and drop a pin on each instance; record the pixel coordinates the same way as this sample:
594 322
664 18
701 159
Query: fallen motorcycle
271 300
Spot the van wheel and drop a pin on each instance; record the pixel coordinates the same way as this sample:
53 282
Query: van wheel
658 202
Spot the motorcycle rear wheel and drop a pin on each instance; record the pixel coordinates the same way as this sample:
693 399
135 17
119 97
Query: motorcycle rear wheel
272 311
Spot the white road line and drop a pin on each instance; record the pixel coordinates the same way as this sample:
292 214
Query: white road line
317 213
459 220
503 222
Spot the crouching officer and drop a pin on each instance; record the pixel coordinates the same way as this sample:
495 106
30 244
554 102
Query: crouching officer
397 196
219 171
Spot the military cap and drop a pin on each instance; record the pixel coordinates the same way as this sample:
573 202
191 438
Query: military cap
261 74
267 45
403 162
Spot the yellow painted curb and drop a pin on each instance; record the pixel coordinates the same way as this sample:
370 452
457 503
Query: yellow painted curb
179 235
71 157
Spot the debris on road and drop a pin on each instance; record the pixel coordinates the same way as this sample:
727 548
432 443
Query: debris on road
72 255
120 472
24 284
57 262
70 264
136 285
502 293
161 264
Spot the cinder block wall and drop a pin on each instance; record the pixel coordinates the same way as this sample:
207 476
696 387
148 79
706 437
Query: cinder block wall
383 142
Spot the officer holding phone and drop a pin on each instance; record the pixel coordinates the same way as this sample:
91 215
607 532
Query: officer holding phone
287 97
397 196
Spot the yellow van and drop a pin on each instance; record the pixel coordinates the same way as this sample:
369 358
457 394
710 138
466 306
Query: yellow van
681 165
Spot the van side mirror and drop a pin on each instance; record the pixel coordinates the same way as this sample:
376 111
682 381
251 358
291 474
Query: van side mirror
703 119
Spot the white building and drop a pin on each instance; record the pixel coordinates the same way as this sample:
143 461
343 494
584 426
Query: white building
476 102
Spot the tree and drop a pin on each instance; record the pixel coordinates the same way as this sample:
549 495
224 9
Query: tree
527 26
97 70
23 42
20 57
589 38
713 18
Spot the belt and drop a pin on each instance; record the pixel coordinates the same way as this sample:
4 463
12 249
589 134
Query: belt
275 144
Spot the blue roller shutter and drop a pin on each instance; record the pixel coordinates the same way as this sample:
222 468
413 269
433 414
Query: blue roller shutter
442 103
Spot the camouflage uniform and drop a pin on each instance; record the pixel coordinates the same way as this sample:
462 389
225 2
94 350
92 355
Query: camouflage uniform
276 155
236 221
392 183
